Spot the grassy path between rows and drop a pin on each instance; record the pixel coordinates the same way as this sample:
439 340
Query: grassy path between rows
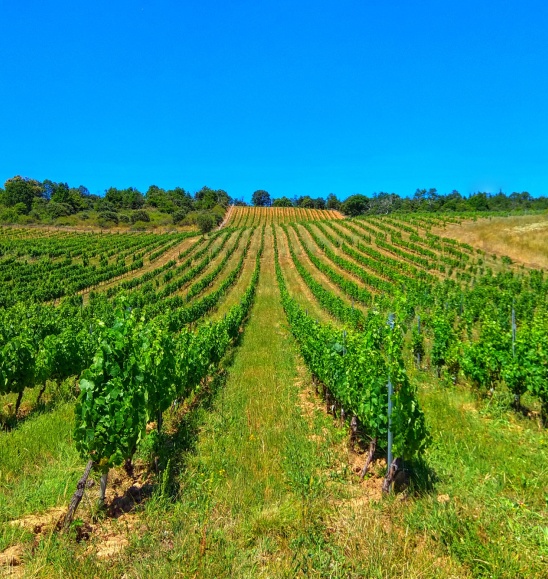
249 496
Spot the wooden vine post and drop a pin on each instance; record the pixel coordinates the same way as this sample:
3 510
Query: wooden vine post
77 496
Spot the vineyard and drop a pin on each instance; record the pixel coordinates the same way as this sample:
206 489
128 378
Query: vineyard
293 394
250 216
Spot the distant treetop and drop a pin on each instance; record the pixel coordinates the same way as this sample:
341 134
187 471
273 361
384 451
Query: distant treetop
261 198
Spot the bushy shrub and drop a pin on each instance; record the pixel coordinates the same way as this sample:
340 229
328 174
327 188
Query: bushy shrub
56 210
218 212
107 219
140 215
179 215
191 218
8 215
206 222
20 209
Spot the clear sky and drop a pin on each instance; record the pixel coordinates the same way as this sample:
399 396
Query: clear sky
295 97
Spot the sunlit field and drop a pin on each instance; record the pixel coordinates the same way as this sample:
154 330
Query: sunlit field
523 238
229 393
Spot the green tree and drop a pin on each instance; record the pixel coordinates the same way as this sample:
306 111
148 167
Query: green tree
103 205
78 199
22 190
261 198
319 203
133 199
207 198
223 198
384 203
39 205
333 202
129 198
206 222
158 197
60 193
478 202
306 202
282 202
114 197
355 205
181 198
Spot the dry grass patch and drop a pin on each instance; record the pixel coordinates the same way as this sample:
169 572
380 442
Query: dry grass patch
523 238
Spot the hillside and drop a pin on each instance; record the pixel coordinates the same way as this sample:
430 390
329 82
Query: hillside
523 238
249 216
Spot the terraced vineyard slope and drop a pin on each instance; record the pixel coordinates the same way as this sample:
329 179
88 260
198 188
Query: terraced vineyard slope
248 216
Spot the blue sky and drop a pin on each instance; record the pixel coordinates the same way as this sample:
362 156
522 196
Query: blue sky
298 98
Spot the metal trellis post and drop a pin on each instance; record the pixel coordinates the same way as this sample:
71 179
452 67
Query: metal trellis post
513 332
390 393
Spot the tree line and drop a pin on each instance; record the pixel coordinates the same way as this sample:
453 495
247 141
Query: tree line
25 200
423 200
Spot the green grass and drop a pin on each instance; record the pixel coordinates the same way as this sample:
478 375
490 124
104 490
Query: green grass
492 474
39 467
